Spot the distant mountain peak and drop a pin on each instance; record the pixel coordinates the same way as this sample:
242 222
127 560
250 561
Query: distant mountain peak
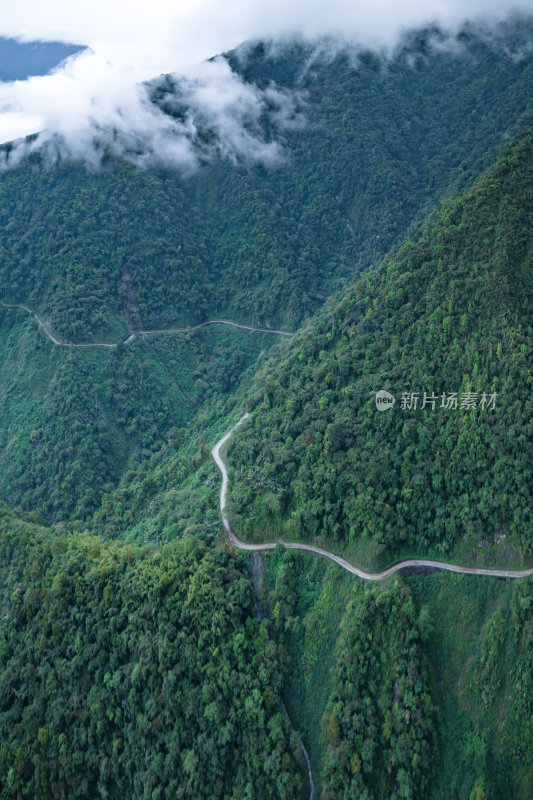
21 60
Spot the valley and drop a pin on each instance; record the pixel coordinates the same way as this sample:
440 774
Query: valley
225 574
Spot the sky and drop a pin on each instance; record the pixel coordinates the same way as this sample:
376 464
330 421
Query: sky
131 42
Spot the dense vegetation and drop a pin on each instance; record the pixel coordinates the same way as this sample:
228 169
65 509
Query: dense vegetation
137 673
138 667
381 141
477 642
449 311
131 674
72 421
378 725
458 647
124 249
377 731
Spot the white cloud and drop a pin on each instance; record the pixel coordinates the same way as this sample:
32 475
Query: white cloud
97 96
91 106
14 124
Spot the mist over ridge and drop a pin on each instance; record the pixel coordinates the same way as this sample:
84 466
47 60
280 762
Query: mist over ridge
91 108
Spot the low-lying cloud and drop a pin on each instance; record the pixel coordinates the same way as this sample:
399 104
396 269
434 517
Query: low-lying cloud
93 110
99 103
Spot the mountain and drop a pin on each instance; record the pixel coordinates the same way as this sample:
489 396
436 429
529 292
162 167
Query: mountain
98 255
448 314
136 672
21 60
140 654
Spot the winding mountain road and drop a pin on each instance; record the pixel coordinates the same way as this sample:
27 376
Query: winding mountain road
44 327
308 548
221 322
342 562
65 343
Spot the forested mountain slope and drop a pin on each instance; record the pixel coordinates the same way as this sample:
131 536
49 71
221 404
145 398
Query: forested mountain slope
131 672
447 312
99 254
418 687
381 140
140 668
126 673
73 421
